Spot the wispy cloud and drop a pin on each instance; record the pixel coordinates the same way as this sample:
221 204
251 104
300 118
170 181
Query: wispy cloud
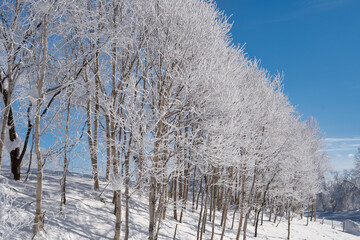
341 144
342 139
342 151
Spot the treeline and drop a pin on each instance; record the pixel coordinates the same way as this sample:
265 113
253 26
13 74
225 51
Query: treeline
157 92
341 190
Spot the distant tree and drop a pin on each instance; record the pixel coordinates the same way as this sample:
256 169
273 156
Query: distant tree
355 172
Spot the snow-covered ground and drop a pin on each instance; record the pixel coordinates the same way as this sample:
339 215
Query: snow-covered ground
86 216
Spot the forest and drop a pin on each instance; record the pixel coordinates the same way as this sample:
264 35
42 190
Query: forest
152 97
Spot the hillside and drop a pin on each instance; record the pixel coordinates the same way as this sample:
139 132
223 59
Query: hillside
86 216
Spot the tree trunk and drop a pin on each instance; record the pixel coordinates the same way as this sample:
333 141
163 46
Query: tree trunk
205 211
92 149
166 199
214 213
108 148
314 208
245 224
3 132
233 219
114 156
226 206
242 202
96 122
197 199
288 236
257 210
212 189
276 213
186 190
39 216
175 196
118 214
114 96
250 198
66 160
257 221
152 207
201 212
194 188
127 181
153 188
271 208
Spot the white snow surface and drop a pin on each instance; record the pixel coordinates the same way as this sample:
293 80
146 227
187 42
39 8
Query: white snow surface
86 216
351 227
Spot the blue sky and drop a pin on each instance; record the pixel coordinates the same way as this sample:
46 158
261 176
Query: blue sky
316 44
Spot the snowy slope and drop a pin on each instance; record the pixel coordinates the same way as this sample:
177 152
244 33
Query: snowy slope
86 216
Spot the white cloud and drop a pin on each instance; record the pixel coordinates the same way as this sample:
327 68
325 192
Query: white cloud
342 139
341 144
355 145
342 151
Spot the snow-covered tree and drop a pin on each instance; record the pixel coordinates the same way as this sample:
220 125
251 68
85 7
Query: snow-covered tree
160 98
